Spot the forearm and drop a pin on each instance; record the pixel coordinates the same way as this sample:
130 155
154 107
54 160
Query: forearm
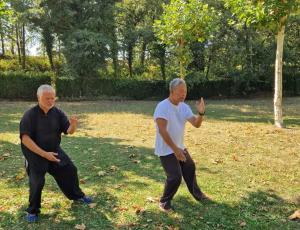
32 146
198 121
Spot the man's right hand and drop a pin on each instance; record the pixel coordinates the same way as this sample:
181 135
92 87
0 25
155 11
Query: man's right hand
179 154
50 156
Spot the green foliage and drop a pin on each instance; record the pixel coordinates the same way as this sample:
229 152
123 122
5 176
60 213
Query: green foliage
183 23
37 64
20 85
266 13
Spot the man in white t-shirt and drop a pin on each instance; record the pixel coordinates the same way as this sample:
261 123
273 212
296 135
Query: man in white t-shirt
170 117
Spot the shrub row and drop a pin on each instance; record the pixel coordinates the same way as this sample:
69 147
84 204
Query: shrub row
19 85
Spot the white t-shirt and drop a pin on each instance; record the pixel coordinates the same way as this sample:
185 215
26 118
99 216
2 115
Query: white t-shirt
176 116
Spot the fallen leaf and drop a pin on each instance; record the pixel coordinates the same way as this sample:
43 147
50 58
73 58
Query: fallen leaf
138 210
117 186
234 157
80 226
152 199
82 181
92 205
6 155
295 215
101 173
20 175
120 209
133 155
172 228
113 168
130 225
217 161
136 161
243 224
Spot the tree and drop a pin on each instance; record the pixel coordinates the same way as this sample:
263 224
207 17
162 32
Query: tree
84 27
5 20
271 15
184 22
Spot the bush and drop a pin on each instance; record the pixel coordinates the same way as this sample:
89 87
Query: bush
20 85
95 87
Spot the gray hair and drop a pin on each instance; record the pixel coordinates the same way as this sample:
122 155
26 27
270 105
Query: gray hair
44 88
176 82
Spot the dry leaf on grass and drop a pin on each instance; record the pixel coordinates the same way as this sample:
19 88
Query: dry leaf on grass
80 226
217 161
92 205
101 173
152 199
133 155
21 175
138 210
122 226
82 181
235 158
172 228
295 215
113 168
136 161
120 209
243 224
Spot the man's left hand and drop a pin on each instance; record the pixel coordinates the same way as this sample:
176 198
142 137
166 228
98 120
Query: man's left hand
200 105
73 121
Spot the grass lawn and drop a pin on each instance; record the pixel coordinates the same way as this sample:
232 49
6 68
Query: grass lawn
249 168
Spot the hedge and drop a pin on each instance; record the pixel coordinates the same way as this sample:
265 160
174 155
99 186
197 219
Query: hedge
19 85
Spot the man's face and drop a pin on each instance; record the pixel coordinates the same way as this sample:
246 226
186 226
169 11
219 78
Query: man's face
178 94
47 99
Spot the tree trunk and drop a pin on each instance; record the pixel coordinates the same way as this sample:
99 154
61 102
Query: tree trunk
18 44
114 53
162 62
278 75
181 58
48 40
142 57
130 57
23 47
2 44
12 47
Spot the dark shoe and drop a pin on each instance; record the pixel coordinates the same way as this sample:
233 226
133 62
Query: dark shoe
166 206
86 200
31 218
204 198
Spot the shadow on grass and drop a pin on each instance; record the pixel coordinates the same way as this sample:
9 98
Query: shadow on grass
259 210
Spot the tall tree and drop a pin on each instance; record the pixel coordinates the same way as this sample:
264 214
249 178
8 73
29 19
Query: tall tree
184 22
272 15
84 27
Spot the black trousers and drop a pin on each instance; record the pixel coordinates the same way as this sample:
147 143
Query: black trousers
64 174
175 170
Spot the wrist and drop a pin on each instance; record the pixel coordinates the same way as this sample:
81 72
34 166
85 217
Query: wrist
201 113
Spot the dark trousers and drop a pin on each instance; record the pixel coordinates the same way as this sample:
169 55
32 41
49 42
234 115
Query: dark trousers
65 176
174 170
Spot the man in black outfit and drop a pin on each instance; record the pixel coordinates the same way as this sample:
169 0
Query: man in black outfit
40 133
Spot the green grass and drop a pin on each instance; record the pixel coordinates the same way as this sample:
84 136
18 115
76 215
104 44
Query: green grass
250 168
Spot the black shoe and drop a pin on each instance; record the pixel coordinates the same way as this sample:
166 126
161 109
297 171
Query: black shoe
166 206
204 198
